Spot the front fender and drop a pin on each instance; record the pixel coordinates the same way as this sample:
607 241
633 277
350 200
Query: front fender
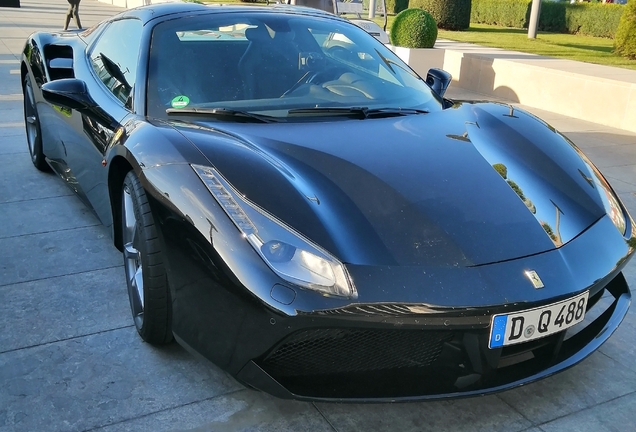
139 145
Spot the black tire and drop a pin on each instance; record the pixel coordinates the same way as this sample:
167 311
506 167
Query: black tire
144 264
32 124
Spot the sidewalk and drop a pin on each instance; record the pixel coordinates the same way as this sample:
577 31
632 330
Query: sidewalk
70 358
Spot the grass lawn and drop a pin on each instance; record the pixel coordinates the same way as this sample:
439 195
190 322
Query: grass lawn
572 47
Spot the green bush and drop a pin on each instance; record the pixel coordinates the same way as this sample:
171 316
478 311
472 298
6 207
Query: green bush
449 14
592 19
625 40
414 28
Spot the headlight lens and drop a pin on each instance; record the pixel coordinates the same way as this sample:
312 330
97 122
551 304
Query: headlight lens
612 206
615 212
289 254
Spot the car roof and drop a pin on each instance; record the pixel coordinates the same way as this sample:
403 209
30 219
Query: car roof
165 10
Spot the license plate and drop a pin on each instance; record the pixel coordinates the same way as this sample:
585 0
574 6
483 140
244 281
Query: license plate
531 324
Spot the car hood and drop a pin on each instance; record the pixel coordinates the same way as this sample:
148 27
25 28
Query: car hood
477 183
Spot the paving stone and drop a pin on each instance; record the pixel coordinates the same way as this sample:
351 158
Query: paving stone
611 155
12 111
13 141
488 413
58 253
105 378
621 187
63 307
621 347
625 173
44 215
10 84
602 139
566 125
16 134
595 380
19 180
246 410
618 415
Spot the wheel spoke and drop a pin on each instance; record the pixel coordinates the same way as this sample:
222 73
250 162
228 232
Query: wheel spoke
30 95
139 285
130 253
30 119
130 221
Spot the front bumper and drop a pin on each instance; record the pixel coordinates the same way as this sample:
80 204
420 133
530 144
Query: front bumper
388 364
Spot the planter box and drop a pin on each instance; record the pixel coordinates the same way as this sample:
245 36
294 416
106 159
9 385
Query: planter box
10 3
421 59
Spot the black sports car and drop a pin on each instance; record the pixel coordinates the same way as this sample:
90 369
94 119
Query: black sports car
297 205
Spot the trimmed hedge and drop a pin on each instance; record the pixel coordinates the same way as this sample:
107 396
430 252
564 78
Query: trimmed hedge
625 41
414 28
396 6
449 14
504 13
592 19
393 7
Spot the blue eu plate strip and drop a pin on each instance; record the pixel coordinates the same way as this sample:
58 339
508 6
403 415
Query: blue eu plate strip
498 331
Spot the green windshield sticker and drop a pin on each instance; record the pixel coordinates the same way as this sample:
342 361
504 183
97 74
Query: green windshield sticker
180 102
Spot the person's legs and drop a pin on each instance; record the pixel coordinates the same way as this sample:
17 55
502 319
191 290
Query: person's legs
77 18
73 11
69 14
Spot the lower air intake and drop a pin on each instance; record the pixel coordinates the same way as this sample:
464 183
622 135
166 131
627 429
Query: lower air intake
337 351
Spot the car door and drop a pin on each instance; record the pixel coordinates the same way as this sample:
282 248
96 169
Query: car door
110 73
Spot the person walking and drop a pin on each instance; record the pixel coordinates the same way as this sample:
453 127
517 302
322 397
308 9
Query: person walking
73 11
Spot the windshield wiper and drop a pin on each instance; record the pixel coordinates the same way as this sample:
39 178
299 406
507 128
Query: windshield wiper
356 112
223 112
394 112
359 112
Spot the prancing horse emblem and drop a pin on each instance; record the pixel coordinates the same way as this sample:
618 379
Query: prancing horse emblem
534 278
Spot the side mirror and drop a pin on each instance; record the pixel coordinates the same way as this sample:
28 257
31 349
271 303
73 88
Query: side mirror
438 80
72 93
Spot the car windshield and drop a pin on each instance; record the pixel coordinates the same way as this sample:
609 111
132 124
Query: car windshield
279 66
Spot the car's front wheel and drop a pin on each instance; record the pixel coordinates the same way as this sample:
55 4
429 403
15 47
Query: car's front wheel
144 265
32 123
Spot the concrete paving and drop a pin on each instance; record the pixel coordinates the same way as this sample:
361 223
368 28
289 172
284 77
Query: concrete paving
70 358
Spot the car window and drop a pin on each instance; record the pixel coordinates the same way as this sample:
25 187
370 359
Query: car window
339 46
115 55
234 32
272 63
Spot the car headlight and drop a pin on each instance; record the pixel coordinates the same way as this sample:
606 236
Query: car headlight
287 252
615 211
612 206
